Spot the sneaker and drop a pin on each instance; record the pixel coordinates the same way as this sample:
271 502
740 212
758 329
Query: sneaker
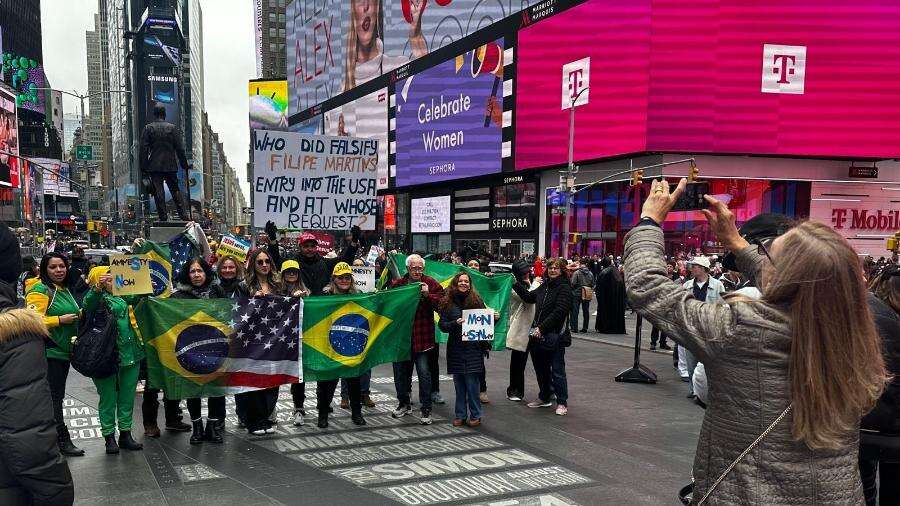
458 422
270 430
437 398
140 387
539 404
345 404
298 418
426 418
562 410
483 397
514 398
258 431
401 411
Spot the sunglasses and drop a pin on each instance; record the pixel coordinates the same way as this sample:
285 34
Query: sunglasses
263 261
762 249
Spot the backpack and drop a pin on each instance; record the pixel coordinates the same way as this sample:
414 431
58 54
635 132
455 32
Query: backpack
94 351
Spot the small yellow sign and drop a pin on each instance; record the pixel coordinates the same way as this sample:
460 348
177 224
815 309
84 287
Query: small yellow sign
234 246
130 274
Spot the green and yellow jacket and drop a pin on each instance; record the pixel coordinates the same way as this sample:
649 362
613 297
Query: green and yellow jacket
51 304
130 346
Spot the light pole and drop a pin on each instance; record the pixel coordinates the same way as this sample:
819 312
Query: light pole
568 177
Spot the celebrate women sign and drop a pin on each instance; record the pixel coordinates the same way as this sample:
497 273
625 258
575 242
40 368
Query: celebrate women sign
314 182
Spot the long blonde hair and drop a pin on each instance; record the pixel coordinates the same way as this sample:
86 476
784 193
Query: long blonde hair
350 48
836 367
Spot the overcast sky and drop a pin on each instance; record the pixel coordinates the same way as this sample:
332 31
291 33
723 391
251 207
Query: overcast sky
228 53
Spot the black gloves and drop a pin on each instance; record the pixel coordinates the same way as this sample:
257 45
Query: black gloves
271 230
355 233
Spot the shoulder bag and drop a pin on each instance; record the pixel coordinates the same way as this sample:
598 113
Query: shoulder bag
94 351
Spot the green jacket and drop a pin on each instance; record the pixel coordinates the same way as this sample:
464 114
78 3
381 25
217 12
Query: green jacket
131 349
39 299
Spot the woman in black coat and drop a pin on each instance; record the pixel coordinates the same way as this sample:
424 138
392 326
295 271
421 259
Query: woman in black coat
554 302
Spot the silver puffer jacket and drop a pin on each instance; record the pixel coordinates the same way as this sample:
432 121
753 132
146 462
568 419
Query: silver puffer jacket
745 347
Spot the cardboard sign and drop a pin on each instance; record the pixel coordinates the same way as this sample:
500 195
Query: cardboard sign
234 246
374 252
478 325
130 274
364 279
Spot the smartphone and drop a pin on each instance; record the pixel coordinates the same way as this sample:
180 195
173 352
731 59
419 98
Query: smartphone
692 198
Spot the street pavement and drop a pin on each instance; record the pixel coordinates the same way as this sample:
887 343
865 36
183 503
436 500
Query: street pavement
620 444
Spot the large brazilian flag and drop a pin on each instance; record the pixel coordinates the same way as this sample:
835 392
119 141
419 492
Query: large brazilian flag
346 335
494 291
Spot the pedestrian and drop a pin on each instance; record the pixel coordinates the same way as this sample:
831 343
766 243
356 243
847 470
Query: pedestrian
30 275
465 359
160 158
704 288
553 302
315 270
422 341
610 293
31 468
520 317
582 294
230 273
805 426
52 298
341 284
197 281
292 286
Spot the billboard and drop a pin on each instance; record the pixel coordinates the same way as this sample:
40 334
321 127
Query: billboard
365 117
9 140
430 215
310 126
33 185
26 77
162 42
335 45
449 118
268 105
56 176
772 85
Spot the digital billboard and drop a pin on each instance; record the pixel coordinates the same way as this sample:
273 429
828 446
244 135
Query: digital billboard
162 42
365 117
26 77
449 118
268 105
334 45
9 140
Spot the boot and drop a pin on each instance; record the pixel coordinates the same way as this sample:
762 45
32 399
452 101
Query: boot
197 435
177 426
126 442
66 447
323 420
111 447
358 419
151 430
367 401
212 431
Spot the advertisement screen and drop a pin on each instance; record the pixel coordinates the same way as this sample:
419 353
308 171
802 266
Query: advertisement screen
335 45
162 42
431 215
268 105
367 118
310 126
775 87
449 118
9 140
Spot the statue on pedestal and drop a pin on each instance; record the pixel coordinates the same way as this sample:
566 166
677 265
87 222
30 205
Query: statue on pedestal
161 157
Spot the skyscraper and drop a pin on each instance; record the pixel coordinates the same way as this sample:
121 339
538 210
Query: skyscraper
270 36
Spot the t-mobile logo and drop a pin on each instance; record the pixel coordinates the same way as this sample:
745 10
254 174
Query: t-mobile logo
576 78
783 69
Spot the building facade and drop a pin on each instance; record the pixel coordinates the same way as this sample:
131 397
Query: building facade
269 27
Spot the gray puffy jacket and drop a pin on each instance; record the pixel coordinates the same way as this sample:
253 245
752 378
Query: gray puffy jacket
745 347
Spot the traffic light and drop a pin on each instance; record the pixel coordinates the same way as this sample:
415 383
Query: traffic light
693 172
91 226
637 177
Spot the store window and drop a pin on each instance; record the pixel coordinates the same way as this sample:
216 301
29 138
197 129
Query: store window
603 215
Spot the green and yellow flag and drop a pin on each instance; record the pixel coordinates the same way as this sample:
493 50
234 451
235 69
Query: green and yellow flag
346 335
160 267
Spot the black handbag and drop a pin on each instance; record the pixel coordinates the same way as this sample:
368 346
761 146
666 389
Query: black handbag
94 352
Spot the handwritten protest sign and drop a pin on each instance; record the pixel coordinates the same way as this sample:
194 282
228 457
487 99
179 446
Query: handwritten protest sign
130 274
314 182
364 279
374 252
234 246
478 325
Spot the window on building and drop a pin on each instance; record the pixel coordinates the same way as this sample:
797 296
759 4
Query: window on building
281 32
272 3
273 47
281 18
273 32
272 17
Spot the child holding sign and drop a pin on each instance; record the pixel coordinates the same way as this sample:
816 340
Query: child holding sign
465 358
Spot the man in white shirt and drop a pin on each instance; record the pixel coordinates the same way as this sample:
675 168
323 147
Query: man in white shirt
705 289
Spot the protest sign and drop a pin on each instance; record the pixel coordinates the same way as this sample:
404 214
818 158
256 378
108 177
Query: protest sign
234 246
130 274
478 325
314 182
374 252
364 279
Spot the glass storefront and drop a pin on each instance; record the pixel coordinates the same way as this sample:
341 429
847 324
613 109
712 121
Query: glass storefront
604 214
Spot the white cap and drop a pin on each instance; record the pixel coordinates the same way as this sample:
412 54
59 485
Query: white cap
701 261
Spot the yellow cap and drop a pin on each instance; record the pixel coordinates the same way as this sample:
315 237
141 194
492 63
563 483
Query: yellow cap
96 272
289 264
341 269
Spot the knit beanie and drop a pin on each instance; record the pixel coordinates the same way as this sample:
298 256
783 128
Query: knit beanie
10 257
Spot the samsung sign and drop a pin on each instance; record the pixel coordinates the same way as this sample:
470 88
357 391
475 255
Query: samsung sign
164 79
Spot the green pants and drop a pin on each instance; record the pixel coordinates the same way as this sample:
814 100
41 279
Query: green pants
117 398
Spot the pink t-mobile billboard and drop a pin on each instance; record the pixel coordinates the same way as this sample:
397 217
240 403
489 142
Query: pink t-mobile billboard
724 76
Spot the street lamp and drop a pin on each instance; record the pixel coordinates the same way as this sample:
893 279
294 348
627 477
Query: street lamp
568 178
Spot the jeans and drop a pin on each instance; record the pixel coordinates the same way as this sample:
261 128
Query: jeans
117 398
403 380
467 396
434 367
550 369
365 380
885 463
482 381
215 408
325 392
585 307
517 362
57 372
298 393
656 335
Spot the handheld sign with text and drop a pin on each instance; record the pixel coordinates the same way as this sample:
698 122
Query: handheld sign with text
364 279
130 274
314 182
478 325
374 252
234 246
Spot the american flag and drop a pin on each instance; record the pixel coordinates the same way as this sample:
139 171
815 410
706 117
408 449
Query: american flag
181 249
265 345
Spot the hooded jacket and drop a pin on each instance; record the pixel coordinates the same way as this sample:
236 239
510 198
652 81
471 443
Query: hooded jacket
51 304
31 469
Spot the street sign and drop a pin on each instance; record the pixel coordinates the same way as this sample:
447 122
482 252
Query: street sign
84 152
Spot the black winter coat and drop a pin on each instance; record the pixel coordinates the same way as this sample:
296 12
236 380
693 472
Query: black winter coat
232 289
463 357
316 271
210 291
32 471
161 149
885 417
554 303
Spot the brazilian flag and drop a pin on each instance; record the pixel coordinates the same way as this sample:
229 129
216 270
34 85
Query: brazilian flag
346 335
494 291
160 266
